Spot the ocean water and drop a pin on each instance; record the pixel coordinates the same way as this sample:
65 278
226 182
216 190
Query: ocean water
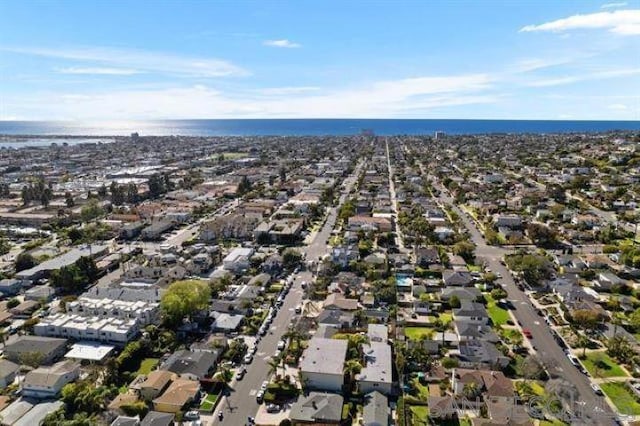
297 127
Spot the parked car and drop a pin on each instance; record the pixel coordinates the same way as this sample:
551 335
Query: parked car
248 358
191 415
596 389
527 333
260 396
281 345
273 408
240 374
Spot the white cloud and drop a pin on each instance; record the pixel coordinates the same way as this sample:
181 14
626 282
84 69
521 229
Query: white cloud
617 107
613 5
534 64
392 98
282 43
622 22
138 60
558 81
276 91
98 71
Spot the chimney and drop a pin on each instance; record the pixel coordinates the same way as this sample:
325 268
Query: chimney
314 405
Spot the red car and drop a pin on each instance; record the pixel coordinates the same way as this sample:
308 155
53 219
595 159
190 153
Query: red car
527 333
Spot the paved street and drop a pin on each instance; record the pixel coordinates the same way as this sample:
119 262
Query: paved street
242 402
548 350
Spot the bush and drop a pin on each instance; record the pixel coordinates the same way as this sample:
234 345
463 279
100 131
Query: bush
449 362
135 409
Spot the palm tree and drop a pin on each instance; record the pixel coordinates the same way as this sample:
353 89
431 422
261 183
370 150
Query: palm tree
225 375
583 342
273 364
470 390
351 368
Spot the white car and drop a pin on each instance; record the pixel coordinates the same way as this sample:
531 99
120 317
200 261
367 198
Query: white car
248 358
281 345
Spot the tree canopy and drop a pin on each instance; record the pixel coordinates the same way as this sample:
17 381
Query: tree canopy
184 298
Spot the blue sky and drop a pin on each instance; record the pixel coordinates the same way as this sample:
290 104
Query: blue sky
119 60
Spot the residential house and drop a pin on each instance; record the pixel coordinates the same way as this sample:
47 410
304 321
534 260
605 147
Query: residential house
376 410
191 364
427 256
225 322
155 418
607 280
488 383
457 278
317 408
237 260
10 287
462 293
471 312
47 382
471 330
480 354
336 317
503 411
179 393
321 366
376 375
155 383
511 221
366 223
338 301
8 371
126 421
48 349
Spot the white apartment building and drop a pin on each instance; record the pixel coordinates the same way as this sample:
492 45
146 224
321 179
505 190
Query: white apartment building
105 320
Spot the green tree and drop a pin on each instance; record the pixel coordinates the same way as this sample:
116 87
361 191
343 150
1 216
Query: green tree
291 258
25 261
619 348
184 298
69 200
498 293
352 367
91 210
464 249
542 235
244 186
534 268
454 301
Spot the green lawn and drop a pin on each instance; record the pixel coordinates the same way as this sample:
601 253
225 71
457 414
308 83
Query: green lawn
498 315
423 391
608 367
147 365
511 335
622 397
415 333
474 268
208 403
555 422
446 317
420 415
233 155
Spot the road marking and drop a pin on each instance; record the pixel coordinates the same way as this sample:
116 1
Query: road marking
536 322
253 392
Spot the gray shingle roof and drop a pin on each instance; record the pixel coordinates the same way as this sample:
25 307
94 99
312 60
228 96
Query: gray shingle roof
317 407
376 410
